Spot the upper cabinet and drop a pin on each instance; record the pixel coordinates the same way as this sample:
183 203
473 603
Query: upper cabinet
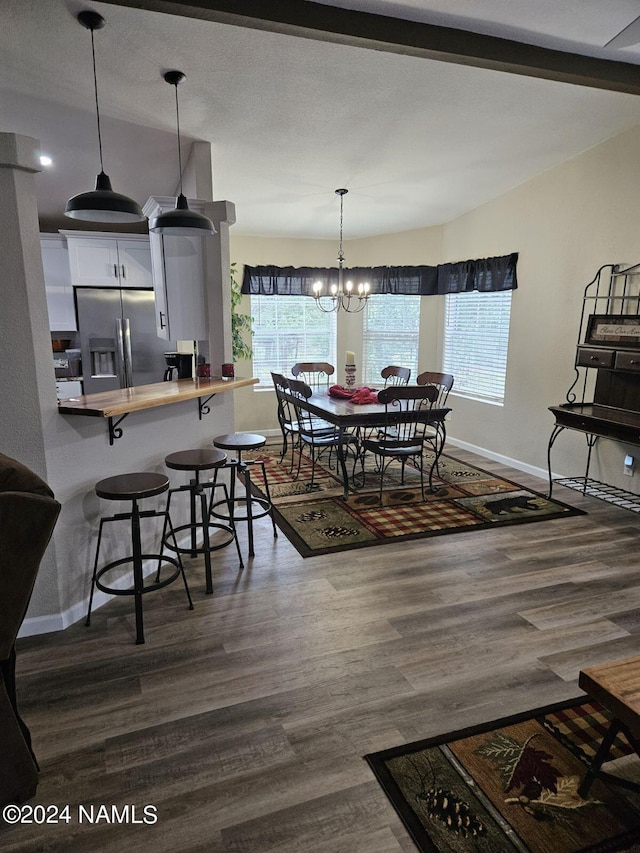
60 302
179 280
116 261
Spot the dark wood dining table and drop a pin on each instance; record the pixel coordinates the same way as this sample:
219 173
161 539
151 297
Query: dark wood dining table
348 416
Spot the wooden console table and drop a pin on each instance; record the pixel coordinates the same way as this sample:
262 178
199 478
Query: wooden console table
616 686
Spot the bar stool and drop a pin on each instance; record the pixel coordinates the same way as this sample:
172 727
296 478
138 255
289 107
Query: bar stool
135 487
202 459
255 507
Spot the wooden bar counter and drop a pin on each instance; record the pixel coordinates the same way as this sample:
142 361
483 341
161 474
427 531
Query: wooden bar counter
109 404
120 403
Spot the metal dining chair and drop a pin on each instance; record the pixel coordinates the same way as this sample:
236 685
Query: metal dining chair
286 416
394 375
314 434
402 435
316 374
443 382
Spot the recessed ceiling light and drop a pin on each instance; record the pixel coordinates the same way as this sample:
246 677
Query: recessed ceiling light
45 160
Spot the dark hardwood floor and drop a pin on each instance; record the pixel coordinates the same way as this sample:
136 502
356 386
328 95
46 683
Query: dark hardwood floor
245 721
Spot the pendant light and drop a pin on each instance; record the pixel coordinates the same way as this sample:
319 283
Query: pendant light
101 204
181 221
342 296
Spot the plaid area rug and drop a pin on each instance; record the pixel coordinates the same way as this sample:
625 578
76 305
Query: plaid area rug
512 786
320 521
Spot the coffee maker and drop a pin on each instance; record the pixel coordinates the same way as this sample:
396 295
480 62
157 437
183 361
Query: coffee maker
179 363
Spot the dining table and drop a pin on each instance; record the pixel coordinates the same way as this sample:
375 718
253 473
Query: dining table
349 417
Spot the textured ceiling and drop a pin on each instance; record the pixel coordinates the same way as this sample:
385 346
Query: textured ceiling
290 119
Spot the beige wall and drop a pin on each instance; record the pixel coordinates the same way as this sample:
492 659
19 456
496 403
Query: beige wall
565 224
255 409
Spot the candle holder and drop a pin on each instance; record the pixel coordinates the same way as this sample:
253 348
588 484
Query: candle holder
349 375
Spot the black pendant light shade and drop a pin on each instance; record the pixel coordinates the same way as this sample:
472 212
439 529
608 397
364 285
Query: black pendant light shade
101 204
180 222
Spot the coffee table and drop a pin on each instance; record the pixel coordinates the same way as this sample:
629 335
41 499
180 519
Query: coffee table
615 685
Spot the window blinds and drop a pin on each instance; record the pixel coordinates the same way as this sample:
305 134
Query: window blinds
476 338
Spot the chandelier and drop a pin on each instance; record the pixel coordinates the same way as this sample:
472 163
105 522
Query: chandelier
342 296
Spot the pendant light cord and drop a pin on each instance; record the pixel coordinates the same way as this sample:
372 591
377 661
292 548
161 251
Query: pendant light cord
340 252
178 127
95 86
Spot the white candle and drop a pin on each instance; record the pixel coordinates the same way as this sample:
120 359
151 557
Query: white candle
350 357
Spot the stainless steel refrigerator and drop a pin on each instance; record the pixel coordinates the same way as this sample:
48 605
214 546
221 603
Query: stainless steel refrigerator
120 347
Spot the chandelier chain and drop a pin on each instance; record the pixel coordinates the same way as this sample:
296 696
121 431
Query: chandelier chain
342 296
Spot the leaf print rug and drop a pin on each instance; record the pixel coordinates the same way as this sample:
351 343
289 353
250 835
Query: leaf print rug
512 785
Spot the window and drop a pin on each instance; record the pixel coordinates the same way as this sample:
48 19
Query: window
287 329
476 337
390 334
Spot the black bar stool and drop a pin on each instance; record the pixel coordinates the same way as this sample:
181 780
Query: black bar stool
255 507
202 459
135 487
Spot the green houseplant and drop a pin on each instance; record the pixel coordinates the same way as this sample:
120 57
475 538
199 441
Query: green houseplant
240 322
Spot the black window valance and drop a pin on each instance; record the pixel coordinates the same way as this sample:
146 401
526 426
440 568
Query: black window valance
485 274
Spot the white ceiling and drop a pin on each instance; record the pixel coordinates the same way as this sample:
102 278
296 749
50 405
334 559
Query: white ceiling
416 142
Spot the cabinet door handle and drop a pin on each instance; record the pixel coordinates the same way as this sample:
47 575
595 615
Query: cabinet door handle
595 358
163 325
115 270
124 275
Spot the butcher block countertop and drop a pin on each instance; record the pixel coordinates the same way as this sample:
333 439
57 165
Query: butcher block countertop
112 404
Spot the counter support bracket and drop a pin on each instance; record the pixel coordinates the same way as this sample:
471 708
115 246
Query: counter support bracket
203 409
114 429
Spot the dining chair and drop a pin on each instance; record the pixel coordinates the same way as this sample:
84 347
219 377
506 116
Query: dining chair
314 434
402 434
286 416
315 374
443 382
394 375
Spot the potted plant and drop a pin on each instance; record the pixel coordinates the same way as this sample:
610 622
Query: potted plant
240 322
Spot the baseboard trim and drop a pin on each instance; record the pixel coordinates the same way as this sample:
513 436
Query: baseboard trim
34 625
499 457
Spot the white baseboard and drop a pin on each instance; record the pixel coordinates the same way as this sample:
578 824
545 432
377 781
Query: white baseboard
34 625
499 457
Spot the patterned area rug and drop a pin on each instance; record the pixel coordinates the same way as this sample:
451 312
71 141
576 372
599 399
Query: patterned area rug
512 786
319 521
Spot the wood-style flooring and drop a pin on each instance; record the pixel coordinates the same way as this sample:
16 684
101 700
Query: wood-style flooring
244 722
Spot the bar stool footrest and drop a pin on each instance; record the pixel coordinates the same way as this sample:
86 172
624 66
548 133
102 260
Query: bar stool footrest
200 549
158 584
263 503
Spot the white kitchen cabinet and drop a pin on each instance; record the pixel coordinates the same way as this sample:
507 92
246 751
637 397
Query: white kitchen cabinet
57 282
109 261
179 287
178 279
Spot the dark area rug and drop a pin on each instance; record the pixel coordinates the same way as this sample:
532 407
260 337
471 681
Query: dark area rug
320 521
512 785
